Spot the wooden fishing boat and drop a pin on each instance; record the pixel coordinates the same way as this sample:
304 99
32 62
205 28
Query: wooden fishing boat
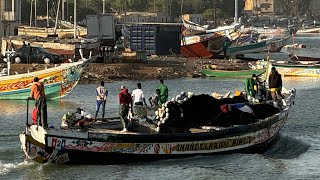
276 45
247 48
303 54
197 45
298 69
58 81
104 143
308 30
271 31
231 74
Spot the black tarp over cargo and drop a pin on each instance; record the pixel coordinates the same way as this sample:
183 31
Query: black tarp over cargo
205 110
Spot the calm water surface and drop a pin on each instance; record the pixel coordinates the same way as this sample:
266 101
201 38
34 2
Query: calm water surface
295 156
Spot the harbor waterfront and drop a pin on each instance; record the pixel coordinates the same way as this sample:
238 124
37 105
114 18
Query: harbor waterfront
293 156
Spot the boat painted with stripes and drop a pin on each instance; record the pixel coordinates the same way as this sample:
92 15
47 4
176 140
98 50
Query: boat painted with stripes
58 81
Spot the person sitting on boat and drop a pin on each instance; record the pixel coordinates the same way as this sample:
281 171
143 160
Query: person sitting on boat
275 86
259 87
138 101
37 93
164 92
102 94
154 99
84 119
125 102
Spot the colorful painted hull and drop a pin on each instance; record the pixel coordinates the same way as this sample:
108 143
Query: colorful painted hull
231 74
249 48
76 147
303 54
298 70
197 45
196 50
58 81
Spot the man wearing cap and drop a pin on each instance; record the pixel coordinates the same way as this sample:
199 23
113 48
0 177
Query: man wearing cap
102 94
275 86
125 102
37 93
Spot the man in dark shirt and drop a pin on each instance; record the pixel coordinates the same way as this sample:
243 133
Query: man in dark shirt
275 86
125 101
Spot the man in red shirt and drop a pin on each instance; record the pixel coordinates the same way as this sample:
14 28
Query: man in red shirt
125 102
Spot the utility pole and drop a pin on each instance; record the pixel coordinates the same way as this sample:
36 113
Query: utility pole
75 18
47 13
154 10
236 3
63 10
31 5
35 13
125 12
67 14
57 17
181 8
215 13
103 6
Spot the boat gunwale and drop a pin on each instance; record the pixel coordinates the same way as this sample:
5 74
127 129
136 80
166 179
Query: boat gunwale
61 67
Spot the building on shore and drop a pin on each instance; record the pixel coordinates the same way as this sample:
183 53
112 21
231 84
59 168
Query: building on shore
259 7
10 18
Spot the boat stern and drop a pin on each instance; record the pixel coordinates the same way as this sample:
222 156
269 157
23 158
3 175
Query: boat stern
33 144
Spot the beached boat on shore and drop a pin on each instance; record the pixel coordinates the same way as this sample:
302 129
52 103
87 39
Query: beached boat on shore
302 53
276 45
197 45
247 48
104 143
58 81
308 30
298 69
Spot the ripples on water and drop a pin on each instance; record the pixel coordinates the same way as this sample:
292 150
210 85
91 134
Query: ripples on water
294 156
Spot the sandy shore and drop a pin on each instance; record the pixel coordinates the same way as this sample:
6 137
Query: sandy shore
160 67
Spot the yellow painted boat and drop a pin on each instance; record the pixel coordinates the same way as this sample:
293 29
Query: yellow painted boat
301 70
58 81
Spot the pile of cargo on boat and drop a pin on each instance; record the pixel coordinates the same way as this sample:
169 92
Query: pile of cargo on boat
187 111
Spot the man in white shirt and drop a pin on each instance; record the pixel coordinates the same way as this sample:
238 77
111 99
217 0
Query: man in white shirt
138 100
138 96
102 94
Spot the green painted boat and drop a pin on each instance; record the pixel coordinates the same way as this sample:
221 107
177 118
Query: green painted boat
231 74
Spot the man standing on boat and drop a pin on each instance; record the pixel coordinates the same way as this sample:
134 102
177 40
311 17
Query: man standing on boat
125 103
37 93
275 86
164 92
102 94
138 100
